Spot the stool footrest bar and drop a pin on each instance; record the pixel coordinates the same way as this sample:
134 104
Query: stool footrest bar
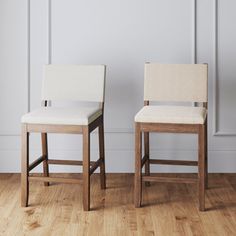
67 162
169 179
56 179
173 162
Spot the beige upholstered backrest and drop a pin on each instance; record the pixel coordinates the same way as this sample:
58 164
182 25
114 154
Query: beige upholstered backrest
74 82
175 82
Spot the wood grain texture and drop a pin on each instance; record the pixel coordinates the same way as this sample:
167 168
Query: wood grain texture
173 162
102 155
56 180
169 209
65 162
67 129
86 169
147 150
24 166
154 178
206 155
44 139
147 154
36 162
169 128
138 167
201 166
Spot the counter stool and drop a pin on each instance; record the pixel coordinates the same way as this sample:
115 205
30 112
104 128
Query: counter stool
83 83
172 83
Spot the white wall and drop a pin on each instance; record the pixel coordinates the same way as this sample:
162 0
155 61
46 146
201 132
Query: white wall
122 34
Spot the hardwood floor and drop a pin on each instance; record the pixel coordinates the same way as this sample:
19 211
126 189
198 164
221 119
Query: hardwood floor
169 209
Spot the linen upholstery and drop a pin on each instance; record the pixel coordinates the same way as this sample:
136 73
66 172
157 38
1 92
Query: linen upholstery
172 114
74 82
175 82
62 115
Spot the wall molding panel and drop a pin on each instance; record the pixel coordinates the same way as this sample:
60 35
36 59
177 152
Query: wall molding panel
13 65
216 131
28 54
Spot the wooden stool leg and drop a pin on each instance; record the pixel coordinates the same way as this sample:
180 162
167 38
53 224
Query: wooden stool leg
102 156
44 139
86 167
206 157
138 169
146 153
201 166
24 166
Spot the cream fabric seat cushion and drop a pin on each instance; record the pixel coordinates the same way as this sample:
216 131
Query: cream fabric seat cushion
171 114
62 115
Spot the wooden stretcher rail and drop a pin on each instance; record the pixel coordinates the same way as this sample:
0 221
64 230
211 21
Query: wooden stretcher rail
56 179
173 162
94 166
144 159
36 162
169 179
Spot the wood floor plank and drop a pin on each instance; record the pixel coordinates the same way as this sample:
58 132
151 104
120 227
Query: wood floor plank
168 208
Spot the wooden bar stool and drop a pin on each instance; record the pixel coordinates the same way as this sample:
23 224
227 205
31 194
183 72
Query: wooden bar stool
67 83
172 83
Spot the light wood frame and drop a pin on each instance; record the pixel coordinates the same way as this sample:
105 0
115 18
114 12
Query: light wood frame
88 166
140 161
